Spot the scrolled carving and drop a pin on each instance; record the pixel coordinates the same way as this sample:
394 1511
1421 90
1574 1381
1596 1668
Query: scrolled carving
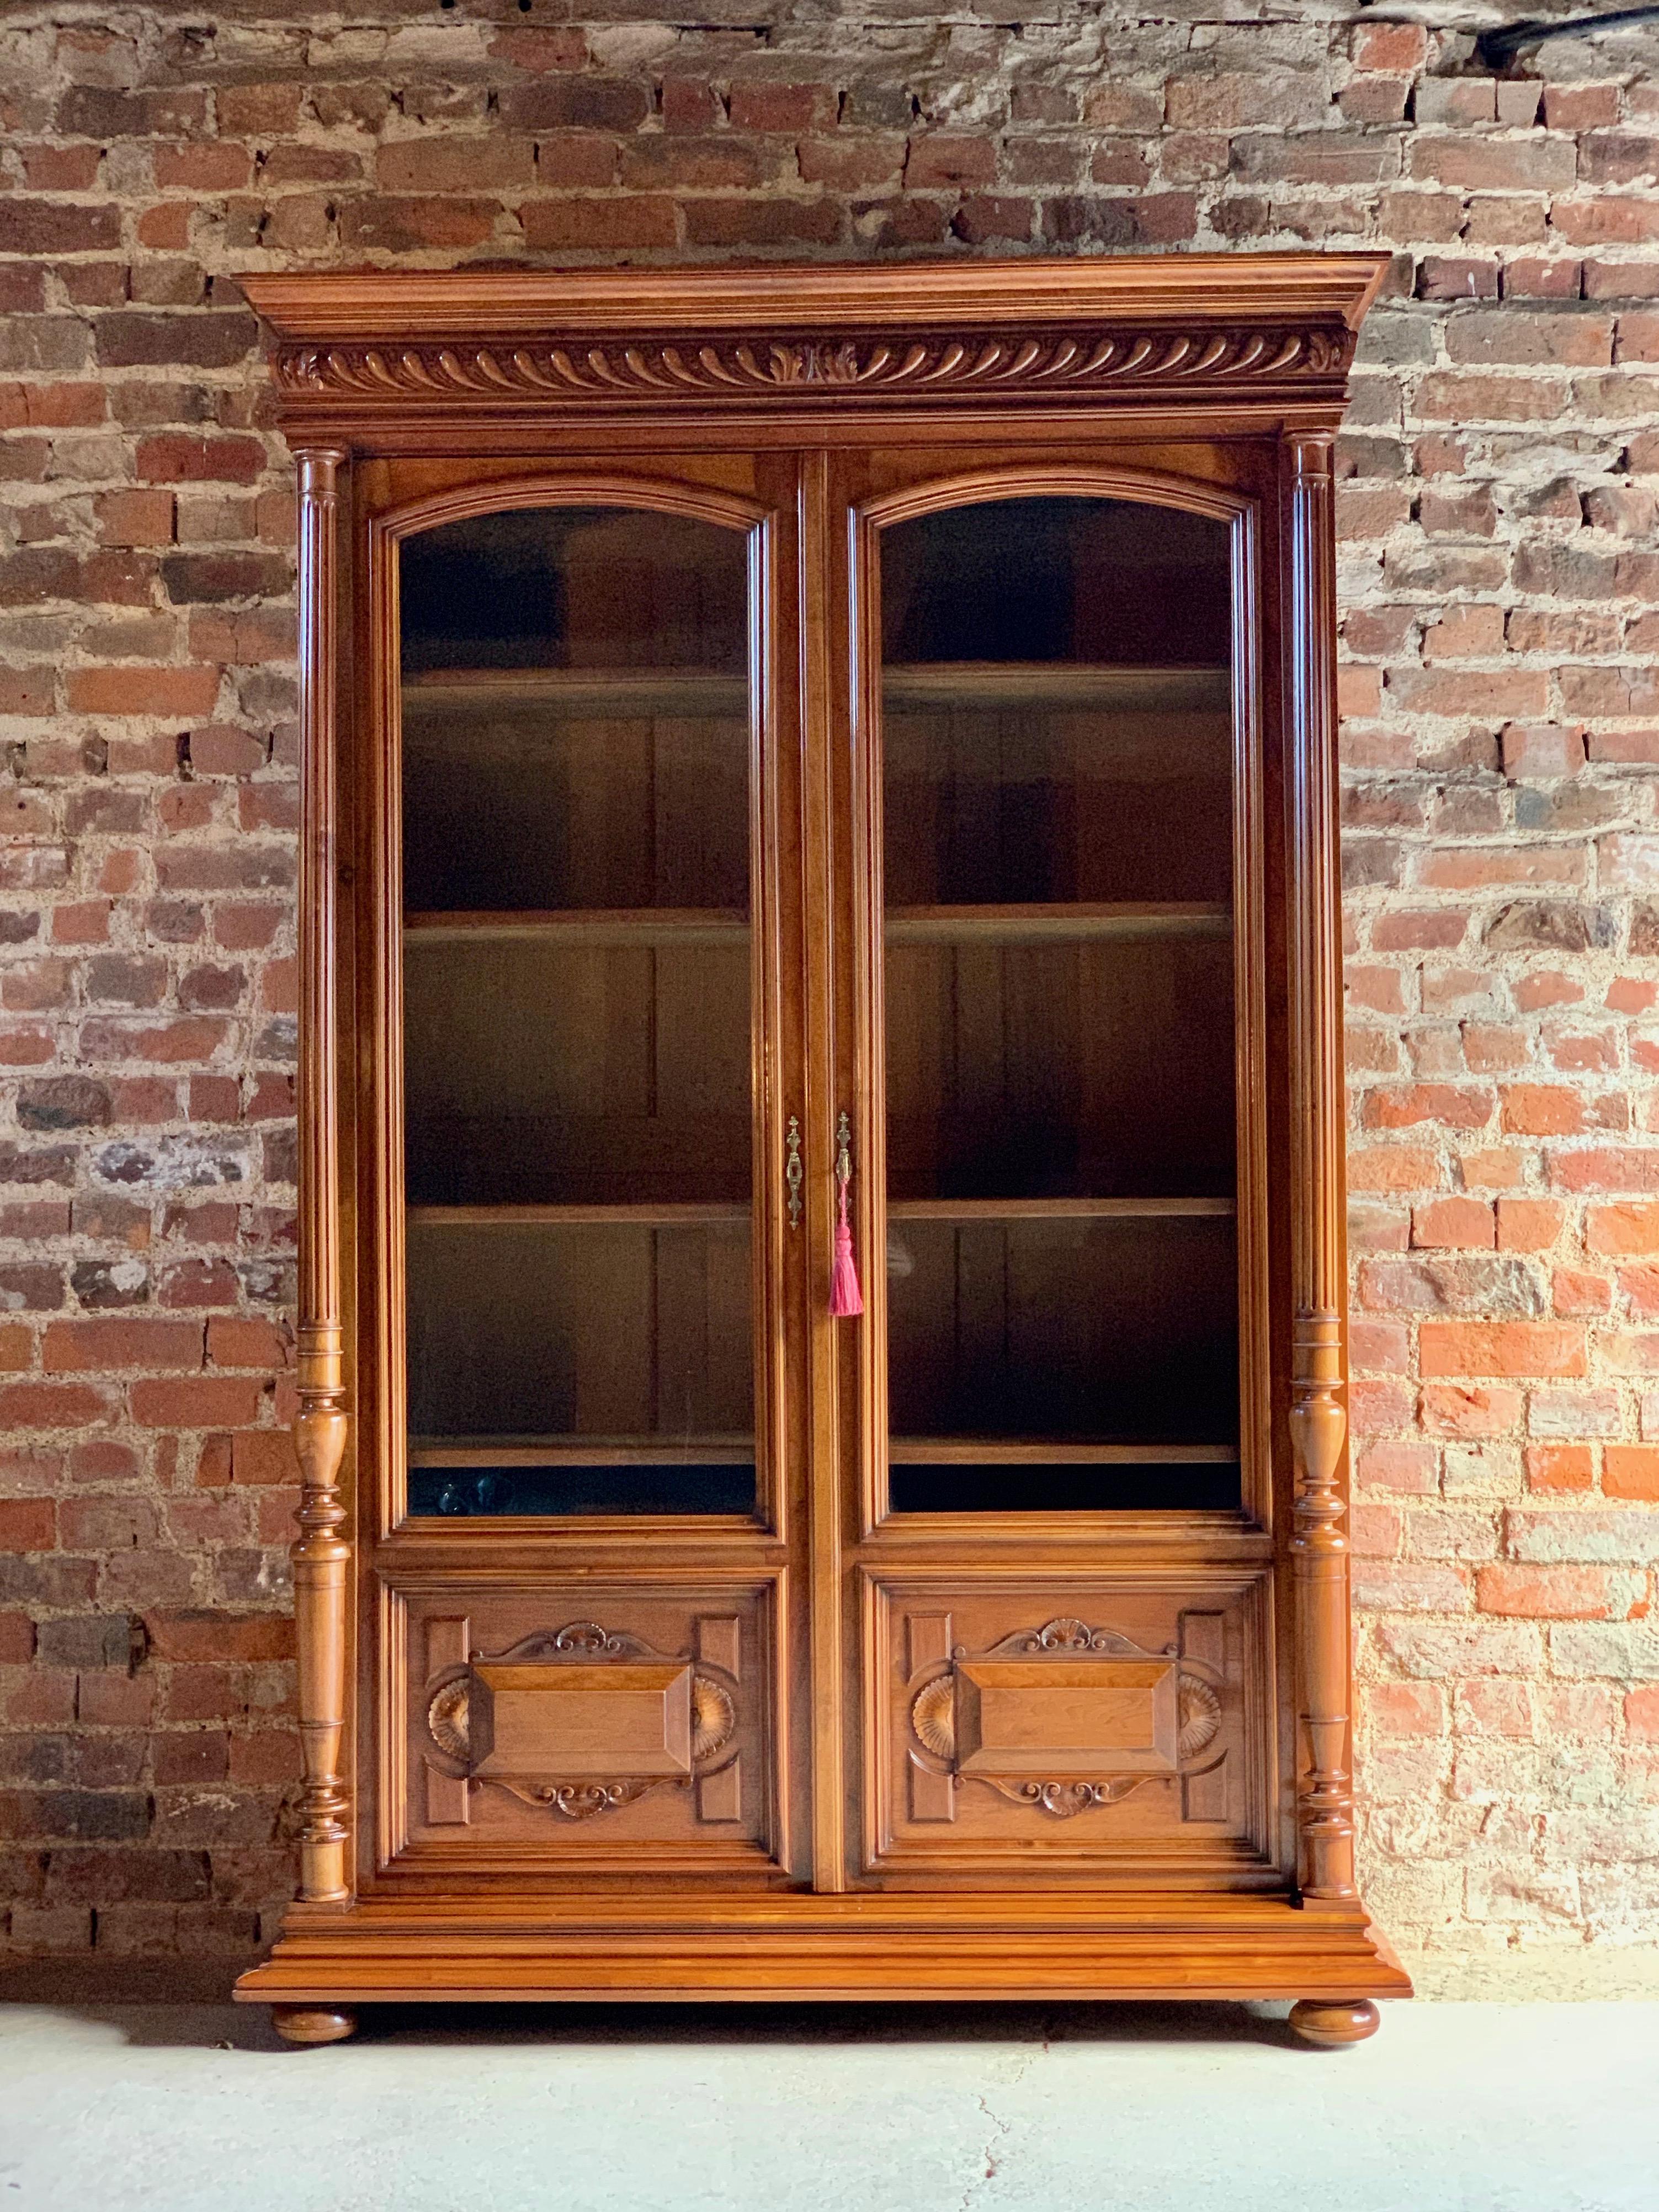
581 1800
655 369
713 1717
1065 1800
579 1639
1066 1634
933 1716
449 1716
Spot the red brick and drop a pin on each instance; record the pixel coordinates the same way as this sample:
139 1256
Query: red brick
50 1405
535 48
233 1342
761 222
172 691
1528 1224
97 1347
1529 279
174 456
1468 1410
1405 1708
1544 1593
217 1636
1580 106
1631 1471
1532 1349
1622 1229
263 1456
1606 1170
1403 1107
1492 629
1455 1222
1544 1109
940 160
203 1401
1400 48
27 1524
644 219
1578 1294
764 105
1560 1467
206 165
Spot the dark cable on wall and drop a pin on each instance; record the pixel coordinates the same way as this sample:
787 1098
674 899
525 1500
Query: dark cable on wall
1498 47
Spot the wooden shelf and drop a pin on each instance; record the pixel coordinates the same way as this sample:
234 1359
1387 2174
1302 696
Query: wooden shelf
610 693
729 1450
1035 1451
650 1216
1063 921
696 1215
1063 683
723 1450
1056 1209
1060 922
583 926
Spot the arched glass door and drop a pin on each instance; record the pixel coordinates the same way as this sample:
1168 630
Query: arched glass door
1057 827
578 1035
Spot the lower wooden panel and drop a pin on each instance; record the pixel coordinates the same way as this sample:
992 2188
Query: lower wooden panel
605 1729
1094 1726
804 1947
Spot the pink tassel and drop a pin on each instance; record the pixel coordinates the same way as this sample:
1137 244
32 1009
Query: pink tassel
845 1296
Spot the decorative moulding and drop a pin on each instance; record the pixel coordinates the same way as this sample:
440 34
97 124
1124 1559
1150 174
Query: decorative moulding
1278 327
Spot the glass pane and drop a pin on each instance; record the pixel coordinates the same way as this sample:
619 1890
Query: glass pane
576 1018
1057 741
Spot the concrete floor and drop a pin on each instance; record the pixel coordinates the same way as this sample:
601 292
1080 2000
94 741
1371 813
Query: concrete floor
1451 2108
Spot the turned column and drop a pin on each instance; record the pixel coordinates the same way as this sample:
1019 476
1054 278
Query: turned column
321 1554
1319 1542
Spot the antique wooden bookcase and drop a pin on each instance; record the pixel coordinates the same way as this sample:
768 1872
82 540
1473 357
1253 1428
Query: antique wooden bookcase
804 766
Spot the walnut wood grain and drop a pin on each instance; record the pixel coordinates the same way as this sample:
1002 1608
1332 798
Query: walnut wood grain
321 1554
827 1848
1318 1414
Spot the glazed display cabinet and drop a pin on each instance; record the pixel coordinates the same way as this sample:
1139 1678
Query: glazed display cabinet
821 1354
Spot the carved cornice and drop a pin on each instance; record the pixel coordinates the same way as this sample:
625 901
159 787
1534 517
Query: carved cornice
1010 364
1255 325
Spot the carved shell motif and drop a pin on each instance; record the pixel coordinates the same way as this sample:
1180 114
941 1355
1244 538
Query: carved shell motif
448 1718
713 1717
1199 1714
933 1716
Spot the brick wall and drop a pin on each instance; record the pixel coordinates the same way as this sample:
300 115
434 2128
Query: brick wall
1501 591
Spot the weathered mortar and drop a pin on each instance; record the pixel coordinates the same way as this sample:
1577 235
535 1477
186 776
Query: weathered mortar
1501 594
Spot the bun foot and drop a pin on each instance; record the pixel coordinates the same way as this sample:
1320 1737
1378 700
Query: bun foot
313 2023
1330 2023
